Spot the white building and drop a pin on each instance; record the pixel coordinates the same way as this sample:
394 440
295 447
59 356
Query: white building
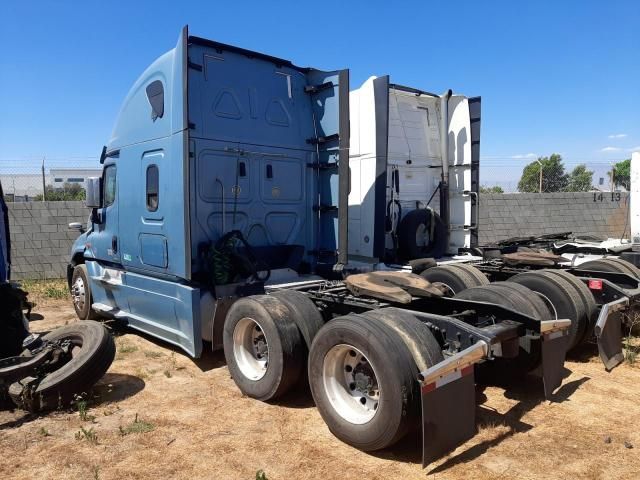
25 186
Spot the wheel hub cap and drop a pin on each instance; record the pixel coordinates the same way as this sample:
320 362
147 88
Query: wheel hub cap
351 384
78 293
250 349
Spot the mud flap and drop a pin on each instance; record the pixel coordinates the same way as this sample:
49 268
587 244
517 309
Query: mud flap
608 331
554 350
448 413
609 337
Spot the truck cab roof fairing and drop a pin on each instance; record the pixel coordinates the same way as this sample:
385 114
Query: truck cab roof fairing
135 121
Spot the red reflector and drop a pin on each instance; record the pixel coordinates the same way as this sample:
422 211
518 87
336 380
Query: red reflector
595 284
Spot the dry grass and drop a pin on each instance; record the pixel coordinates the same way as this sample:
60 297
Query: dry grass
194 423
43 292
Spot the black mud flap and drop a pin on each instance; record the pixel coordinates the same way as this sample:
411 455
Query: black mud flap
610 341
554 350
448 414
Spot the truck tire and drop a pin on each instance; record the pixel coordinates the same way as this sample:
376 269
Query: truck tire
92 354
81 294
480 277
362 380
455 277
529 356
541 309
411 235
562 295
590 305
303 312
611 264
263 347
417 337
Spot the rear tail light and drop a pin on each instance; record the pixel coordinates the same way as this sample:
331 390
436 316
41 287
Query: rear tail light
595 284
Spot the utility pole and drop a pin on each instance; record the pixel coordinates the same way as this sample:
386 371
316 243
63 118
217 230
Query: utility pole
613 174
44 187
540 185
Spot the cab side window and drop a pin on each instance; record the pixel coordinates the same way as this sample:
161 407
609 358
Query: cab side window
152 188
109 185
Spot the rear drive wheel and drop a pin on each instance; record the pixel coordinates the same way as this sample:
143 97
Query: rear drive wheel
611 264
92 351
304 313
81 294
590 305
562 295
263 347
455 277
362 380
508 295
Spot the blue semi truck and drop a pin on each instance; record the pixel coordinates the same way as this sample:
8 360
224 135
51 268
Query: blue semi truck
221 220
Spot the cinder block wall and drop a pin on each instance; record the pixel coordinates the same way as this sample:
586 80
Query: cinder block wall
41 239
523 214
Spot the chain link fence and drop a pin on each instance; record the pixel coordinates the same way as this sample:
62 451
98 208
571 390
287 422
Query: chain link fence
56 179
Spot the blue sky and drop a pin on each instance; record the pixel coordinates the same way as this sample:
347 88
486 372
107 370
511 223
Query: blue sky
555 76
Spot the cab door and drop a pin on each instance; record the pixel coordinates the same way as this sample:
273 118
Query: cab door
103 240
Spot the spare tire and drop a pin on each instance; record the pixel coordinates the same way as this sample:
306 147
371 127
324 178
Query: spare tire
93 351
419 238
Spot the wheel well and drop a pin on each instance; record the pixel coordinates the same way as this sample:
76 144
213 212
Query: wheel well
77 259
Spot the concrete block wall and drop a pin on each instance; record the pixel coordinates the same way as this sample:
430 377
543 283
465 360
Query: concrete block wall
522 214
41 239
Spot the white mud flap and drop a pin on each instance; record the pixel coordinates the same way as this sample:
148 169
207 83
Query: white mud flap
449 402
608 331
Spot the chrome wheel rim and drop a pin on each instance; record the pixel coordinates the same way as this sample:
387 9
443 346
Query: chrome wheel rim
351 384
78 293
250 349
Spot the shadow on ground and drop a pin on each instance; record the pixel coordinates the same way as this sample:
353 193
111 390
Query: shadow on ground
113 387
529 394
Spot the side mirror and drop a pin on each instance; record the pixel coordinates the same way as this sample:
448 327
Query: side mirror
93 192
76 226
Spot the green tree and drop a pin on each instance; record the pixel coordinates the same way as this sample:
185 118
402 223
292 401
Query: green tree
622 174
494 189
580 179
69 192
554 178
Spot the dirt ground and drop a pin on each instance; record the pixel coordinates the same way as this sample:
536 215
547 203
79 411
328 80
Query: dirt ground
159 414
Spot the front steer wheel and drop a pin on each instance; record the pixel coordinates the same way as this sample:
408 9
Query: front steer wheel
81 294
